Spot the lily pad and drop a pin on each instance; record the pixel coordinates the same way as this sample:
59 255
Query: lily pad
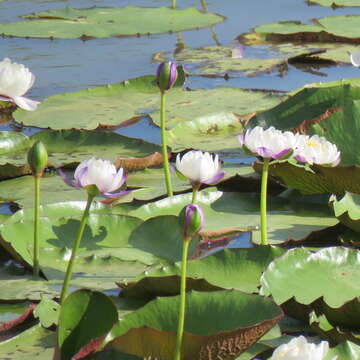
333 284
317 179
70 147
34 343
241 212
347 210
223 322
104 251
213 115
219 60
238 269
47 311
328 29
95 22
79 313
336 3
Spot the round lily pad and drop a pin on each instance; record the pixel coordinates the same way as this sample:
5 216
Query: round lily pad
96 22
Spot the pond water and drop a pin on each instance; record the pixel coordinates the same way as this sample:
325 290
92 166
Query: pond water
70 65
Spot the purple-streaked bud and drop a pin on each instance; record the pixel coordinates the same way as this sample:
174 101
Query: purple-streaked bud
194 220
166 75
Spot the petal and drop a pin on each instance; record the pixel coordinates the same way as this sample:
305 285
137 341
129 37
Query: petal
66 179
121 193
26 103
215 179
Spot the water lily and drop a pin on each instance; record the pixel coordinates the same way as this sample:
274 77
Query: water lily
268 144
99 173
300 349
355 58
199 168
97 176
316 150
15 81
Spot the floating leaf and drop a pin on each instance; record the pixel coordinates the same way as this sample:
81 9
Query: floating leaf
347 210
335 3
191 115
34 343
327 29
86 316
224 323
219 60
238 269
328 276
241 212
47 311
95 22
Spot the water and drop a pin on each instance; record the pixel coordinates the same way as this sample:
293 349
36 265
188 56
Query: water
70 65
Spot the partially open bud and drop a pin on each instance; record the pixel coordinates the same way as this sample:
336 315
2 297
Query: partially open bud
166 75
37 158
192 219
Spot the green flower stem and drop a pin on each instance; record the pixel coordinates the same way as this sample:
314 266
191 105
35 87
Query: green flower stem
36 255
194 194
164 147
180 331
75 249
263 196
174 4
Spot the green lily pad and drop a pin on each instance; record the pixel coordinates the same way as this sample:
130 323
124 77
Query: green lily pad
347 210
241 212
34 343
317 179
69 23
218 60
327 277
336 3
211 321
86 316
104 251
70 147
238 269
213 115
335 334
47 311
327 29
345 351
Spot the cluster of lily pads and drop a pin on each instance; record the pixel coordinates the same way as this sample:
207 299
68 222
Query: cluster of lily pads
218 311
148 217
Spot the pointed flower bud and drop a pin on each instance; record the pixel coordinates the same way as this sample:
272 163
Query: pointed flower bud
166 75
37 158
194 219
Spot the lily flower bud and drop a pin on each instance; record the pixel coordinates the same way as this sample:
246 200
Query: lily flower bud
166 75
192 219
37 158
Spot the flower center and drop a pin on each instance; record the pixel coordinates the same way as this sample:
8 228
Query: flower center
311 143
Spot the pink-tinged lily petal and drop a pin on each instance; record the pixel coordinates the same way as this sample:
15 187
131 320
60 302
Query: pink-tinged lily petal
5 98
241 139
282 154
113 195
67 180
215 179
25 103
81 177
264 152
300 158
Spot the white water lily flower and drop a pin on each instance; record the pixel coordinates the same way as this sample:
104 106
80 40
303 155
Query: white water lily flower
316 150
269 144
98 172
355 58
299 349
199 167
15 81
